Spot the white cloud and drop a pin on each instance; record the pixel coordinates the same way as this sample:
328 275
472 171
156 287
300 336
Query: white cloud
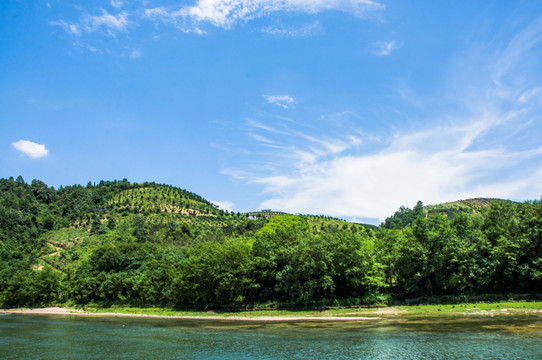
519 49
376 184
385 48
301 31
70 28
283 101
261 138
451 160
530 94
482 142
111 24
135 54
87 46
225 205
226 13
31 149
258 125
219 13
117 4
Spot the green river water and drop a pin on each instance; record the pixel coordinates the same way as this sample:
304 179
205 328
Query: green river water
72 337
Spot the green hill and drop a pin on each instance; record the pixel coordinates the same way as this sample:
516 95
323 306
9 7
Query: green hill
122 243
406 216
469 206
57 228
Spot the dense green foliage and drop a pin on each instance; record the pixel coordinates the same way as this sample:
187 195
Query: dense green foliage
150 244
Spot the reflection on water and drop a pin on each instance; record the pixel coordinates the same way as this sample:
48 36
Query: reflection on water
65 337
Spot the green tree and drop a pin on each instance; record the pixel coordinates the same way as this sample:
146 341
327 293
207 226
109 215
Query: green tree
141 230
216 274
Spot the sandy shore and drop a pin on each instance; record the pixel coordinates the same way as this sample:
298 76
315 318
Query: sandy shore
77 312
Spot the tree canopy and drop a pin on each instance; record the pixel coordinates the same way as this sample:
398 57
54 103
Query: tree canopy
117 242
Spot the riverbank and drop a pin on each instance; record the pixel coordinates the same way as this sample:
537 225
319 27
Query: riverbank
204 316
350 314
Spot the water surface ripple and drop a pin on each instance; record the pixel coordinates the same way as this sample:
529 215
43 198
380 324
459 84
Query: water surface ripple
70 337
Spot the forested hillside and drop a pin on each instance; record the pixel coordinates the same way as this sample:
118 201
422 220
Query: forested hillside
148 244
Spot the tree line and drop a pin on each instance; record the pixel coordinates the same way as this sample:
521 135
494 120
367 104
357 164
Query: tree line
135 260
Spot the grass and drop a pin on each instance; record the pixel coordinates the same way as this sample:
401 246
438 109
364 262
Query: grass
173 312
481 308
466 309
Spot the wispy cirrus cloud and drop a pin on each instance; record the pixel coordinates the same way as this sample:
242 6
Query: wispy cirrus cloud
400 173
283 101
456 159
226 13
223 14
485 144
531 94
110 24
30 148
117 4
135 54
69 27
300 31
385 48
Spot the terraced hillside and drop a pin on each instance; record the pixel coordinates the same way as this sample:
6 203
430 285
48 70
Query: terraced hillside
470 206
153 198
80 218
406 216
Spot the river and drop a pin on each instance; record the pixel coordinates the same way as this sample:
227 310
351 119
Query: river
72 337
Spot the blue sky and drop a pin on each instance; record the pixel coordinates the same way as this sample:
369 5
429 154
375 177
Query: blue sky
349 108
